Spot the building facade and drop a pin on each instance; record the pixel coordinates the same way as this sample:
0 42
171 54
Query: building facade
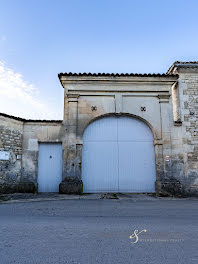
135 133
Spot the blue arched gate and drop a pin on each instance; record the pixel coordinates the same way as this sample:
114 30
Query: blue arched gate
118 156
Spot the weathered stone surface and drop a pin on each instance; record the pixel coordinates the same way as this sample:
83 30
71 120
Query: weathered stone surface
171 187
22 187
11 133
20 138
71 185
185 143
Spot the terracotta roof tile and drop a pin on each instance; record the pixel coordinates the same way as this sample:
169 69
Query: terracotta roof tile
114 74
186 63
29 120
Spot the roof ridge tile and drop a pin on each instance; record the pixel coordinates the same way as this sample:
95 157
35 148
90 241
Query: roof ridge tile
115 74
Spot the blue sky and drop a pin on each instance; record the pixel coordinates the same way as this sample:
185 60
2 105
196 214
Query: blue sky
40 38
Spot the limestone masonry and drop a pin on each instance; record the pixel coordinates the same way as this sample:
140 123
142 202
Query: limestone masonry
167 103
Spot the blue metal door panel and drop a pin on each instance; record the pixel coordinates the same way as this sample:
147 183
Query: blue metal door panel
100 171
136 167
49 167
133 129
118 155
104 129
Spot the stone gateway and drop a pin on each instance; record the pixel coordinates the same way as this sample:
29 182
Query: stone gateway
120 133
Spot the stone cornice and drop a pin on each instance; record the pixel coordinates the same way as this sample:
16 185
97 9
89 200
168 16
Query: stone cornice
120 80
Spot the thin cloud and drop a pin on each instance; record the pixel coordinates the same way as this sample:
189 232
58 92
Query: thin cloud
3 38
20 98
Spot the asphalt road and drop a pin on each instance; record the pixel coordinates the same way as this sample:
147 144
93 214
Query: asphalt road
98 231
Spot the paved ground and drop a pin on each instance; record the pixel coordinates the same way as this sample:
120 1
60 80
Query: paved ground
92 230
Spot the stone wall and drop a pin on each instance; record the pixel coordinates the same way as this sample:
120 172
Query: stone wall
11 135
184 131
33 134
183 162
189 96
20 138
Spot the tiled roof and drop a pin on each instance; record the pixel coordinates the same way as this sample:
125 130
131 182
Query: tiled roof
115 74
189 64
29 120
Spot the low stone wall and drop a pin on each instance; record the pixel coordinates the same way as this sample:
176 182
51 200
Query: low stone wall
20 139
11 135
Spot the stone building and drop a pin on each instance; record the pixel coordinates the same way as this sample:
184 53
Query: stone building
120 133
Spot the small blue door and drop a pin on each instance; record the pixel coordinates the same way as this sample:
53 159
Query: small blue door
49 167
